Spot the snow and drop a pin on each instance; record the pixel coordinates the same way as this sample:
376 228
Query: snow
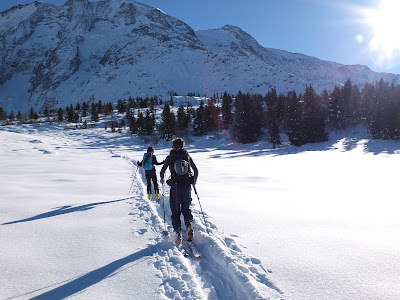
18 14
315 222
109 50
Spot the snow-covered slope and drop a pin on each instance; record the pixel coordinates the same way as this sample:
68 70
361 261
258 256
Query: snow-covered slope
107 50
79 235
313 222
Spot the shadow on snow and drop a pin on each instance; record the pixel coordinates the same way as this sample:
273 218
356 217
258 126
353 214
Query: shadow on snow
89 279
63 210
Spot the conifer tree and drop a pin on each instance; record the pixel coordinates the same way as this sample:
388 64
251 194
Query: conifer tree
71 112
168 123
211 116
247 125
294 120
85 108
149 123
313 118
334 108
131 103
12 116
140 123
273 119
183 121
3 114
199 125
356 113
383 120
368 96
130 116
121 106
227 114
33 115
47 113
20 117
345 113
60 115
75 118
99 107
95 114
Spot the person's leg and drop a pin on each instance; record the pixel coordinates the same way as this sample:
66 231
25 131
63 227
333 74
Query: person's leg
175 209
155 183
186 199
148 180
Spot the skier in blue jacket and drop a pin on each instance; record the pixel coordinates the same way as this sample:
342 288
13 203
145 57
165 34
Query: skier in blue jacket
149 163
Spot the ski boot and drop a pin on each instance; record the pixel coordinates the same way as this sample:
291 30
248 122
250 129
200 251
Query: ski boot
178 235
189 232
157 196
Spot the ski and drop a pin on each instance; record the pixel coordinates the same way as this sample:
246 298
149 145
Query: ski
188 246
182 249
187 250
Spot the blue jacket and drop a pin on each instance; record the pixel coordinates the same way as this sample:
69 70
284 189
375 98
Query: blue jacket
149 163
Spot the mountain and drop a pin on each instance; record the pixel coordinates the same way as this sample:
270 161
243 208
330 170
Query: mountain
56 55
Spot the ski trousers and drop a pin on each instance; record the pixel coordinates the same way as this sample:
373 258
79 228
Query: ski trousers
180 199
151 176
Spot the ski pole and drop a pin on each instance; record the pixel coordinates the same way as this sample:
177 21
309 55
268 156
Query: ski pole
165 232
133 179
198 198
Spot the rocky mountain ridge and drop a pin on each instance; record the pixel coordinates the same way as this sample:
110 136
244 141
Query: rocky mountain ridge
56 55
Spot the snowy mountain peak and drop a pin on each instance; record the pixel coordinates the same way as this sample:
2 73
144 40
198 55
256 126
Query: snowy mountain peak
56 55
75 2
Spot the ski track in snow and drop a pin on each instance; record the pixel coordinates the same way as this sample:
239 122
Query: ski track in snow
223 272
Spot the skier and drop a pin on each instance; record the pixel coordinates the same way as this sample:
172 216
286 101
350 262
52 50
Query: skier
180 165
148 163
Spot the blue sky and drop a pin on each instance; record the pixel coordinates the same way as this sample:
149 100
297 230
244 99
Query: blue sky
329 30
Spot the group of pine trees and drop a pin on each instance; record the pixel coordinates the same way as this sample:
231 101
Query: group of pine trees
308 117
304 118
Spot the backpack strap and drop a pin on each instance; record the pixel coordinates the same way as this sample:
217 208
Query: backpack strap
146 159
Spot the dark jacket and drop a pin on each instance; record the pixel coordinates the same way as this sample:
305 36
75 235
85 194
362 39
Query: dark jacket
167 163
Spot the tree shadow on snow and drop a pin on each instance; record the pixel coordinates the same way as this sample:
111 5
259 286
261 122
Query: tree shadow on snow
79 284
67 209
264 148
345 141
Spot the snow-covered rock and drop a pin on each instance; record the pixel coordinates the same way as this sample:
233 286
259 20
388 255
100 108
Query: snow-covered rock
56 55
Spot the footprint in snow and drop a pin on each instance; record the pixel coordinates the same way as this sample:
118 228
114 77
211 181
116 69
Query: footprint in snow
139 232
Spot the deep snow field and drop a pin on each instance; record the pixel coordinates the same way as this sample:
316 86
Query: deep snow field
316 222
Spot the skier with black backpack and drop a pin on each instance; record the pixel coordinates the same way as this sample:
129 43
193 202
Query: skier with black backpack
149 163
180 165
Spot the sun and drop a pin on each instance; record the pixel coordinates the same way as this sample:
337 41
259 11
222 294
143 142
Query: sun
385 25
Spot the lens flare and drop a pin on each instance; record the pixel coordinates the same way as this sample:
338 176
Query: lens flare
385 24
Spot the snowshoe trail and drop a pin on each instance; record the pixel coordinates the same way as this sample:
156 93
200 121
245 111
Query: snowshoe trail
209 267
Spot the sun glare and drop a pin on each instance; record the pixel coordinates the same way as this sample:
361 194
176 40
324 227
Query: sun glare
385 23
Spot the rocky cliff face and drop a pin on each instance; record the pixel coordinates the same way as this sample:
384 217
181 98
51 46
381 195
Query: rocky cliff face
112 49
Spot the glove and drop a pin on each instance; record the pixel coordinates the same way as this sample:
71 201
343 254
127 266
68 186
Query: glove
139 163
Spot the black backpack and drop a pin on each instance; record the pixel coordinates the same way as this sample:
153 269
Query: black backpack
179 166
